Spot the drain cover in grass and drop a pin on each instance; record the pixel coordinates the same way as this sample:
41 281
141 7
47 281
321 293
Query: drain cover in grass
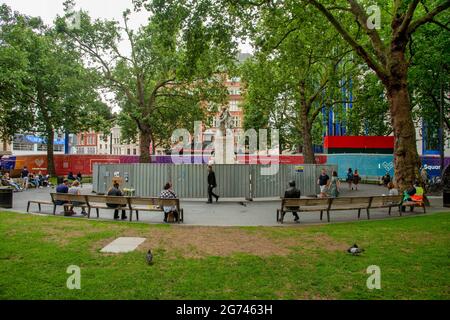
123 244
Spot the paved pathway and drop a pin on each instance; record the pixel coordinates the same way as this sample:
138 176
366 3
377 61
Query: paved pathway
231 212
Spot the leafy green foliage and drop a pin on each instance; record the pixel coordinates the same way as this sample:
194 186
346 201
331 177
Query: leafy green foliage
46 85
170 71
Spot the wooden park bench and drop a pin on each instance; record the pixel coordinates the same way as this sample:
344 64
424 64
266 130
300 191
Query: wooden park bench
387 202
61 199
302 205
154 204
413 204
350 203
101 202
343 203
97 202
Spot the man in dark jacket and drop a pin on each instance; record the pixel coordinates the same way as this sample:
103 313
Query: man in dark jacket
293 192
211 185
115 191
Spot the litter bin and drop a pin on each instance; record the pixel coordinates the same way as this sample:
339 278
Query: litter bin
446 197
446 189
6 197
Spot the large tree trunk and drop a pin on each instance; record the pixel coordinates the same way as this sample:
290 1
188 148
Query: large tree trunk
144 145
308 151
50 153
406 159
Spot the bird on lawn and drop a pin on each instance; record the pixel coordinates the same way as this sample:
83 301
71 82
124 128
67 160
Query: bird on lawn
149 257
355 250
242 203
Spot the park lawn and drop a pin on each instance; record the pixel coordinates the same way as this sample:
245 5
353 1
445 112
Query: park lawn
301 262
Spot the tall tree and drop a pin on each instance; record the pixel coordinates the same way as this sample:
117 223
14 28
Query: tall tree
183 45
57 94
386 52
385 49
298 70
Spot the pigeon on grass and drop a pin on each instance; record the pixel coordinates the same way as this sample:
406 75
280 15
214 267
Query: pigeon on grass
355 250
149 257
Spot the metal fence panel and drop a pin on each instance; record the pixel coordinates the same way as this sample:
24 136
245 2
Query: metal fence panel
190 180
266 185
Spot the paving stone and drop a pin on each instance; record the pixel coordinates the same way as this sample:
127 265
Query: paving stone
123 244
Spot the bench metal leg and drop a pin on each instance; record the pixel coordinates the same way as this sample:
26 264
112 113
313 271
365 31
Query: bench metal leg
321 214
424 210
179 215
98 214
278 215
282 216
368 214
389 211
39 205
328 215
89 212
137 215
359 213
28 206
131 215
54 209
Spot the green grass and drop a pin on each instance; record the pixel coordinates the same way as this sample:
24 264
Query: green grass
306 262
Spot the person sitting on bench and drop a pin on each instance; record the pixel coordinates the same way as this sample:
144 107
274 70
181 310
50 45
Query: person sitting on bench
410 194
64 188
115 191
292 192
418 196
168 193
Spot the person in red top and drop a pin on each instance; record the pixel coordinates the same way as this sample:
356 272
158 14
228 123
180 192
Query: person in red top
356 179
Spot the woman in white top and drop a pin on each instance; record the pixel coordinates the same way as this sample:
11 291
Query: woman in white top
76 190
392 190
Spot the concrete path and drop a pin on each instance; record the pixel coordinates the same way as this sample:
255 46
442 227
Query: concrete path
230 212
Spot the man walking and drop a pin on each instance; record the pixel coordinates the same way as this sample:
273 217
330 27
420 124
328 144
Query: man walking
211 185
24 175
323 183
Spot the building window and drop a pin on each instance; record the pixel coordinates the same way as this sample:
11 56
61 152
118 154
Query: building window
234 105
58 147
20 146
134 151
236 122
128 151
41 147
234 91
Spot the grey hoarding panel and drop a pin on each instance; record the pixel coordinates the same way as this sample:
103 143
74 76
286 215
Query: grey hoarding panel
190 180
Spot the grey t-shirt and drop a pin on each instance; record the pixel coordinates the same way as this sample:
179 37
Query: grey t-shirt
74 190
